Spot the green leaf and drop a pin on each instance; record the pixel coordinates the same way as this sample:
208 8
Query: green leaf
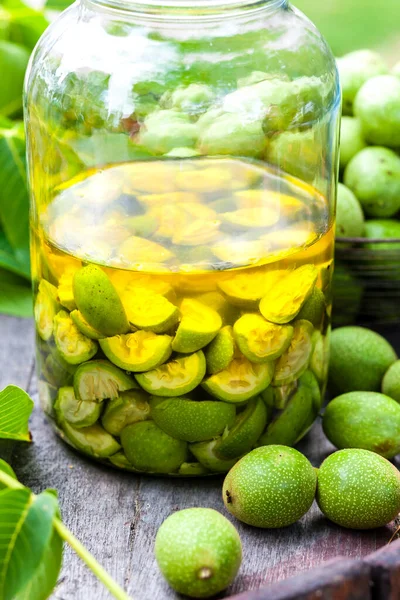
14 200
5 468
26 531
21 24
15 409
8 259
45 577
15 295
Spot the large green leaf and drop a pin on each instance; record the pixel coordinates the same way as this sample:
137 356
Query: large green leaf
8 259
14 199
21 24
58 4
26 531
15 298
5 468
15 409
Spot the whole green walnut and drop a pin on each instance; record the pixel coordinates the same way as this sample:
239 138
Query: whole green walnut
391 381
349 214
373 175
198 551
297 153
355 69
351 139
232 133
377 105
358 489
366 420
382 229
165 130
193 99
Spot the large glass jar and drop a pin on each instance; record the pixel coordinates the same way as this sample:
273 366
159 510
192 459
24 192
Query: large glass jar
182 164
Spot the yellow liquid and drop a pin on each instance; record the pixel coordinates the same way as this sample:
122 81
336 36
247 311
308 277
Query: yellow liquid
206 229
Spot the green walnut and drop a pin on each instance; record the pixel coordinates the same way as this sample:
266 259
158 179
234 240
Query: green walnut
73 346
358 489
314 308
366 420
130 407
382 229
138 351
177 377
241 436
76 412
149 448
351 139
391 381
359 358
98 301
149 311
93 441
165 130
295 360
260 340
355 69
45 309
97 380
219 353
297 153
270 487
230 133
193 99
198 551
198 327
84 326
240 381
373 175
191 420
349 214
206 455
288 424
377 105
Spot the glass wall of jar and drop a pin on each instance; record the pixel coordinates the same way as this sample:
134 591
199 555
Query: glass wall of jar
183 163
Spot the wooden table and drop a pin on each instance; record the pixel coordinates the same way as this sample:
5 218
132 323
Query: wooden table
117 515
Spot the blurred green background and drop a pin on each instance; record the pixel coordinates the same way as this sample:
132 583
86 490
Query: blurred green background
353 24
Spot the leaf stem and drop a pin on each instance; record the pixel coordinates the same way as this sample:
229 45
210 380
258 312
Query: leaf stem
76 545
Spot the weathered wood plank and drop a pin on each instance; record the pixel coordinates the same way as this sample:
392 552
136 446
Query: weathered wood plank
385 572
117 515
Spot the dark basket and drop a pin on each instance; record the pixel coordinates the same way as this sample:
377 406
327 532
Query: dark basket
366 281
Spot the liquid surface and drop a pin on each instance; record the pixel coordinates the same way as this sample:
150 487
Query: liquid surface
199 282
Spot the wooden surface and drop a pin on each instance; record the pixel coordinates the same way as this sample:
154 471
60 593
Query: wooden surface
117 515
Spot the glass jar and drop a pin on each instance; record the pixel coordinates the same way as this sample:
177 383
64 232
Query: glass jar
182 165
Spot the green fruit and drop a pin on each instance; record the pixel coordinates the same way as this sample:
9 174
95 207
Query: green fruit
84 326
245 290
193 421
270 487
190 469
349 214
215 300
149 311
13 62
139 351
230 134
119 460
355 69
295 360
381 229
130 407
176 377
243 219
73 346
351 140
359 359
137 252
358 489
364 420
150 449
391 381
45 309
165 130
314 308
76 412
193 99
377 105
98 301
241 381
142 225
98 380
373 175
205 454
93 440
259 340
297 153
285 299
288 425
319 362
198 551
242 436
219 353
198 327
56 370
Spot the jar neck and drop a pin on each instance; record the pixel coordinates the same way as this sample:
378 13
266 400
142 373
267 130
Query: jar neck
190 10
